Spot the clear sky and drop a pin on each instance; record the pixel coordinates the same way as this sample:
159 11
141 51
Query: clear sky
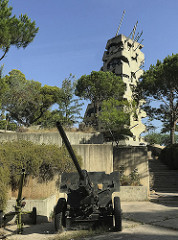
73 34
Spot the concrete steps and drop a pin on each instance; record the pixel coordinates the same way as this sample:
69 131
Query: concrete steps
162 178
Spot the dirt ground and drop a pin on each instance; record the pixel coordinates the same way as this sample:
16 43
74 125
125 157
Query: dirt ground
46 231
42 231
35 232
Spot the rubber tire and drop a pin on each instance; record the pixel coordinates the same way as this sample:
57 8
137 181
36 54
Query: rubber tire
60 206
1 218
34 215
59 211
58 222
117 214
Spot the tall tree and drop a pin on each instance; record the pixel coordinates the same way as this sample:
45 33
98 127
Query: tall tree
99 86
160 84
18 32
69 105
2 84
26 101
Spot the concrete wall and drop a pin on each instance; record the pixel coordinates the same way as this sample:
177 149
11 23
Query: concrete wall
96 158
53 137
44 207
130 158
132 193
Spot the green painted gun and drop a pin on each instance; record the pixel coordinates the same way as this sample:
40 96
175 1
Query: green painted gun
20 204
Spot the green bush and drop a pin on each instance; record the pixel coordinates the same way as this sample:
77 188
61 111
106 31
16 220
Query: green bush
169 156
159 138
41 161
4 179
133 179
5 125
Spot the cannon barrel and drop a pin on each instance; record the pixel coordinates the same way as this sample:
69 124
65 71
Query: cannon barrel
70 149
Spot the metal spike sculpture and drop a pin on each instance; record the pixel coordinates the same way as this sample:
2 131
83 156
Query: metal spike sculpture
120 22
134 30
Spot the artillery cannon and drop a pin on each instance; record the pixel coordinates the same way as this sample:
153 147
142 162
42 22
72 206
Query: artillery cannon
19 212
89 197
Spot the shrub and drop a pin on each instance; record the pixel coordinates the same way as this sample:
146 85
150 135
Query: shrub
159 138
169 156
4 180
133 179
5 125
41 161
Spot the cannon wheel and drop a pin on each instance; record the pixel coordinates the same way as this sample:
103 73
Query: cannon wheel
117 214
1 218
60 219
34 215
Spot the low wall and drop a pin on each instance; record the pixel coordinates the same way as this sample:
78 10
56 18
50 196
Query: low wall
44 207
53 137
131 157
132 193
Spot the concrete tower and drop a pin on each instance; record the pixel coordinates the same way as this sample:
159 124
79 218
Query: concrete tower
123 56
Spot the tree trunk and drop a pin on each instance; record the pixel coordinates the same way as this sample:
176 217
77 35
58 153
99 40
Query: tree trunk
172 137
172 122
95 122
172 132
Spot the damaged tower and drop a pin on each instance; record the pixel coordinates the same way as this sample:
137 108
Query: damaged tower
123 56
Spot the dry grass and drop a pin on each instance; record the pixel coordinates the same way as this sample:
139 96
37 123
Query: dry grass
76 235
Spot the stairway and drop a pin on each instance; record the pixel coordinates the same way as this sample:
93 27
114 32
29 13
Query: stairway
162 179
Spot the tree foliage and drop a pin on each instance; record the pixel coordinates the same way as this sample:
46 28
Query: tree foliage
68 109
69 106
18 32
113 113
115 118
159 138
159 87
99 86
26 101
